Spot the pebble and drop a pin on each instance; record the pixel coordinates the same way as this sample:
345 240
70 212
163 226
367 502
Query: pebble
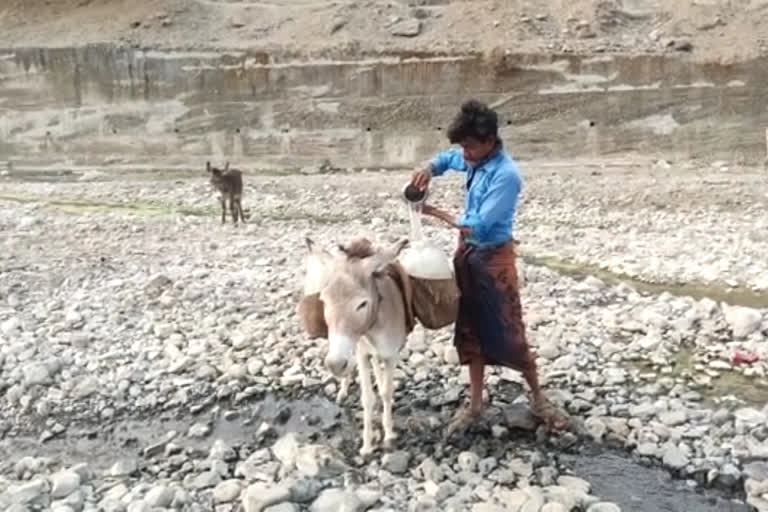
674 458
227 491
159 496
397 462
554 507
64 483
743 321
604 507
337 500
259 496
283 507
124 467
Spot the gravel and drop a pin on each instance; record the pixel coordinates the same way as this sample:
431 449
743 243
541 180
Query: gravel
150 357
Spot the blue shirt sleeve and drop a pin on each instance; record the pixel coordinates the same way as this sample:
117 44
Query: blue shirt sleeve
449 159
500 198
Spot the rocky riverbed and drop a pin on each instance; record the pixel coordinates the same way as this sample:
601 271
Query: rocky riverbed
150 357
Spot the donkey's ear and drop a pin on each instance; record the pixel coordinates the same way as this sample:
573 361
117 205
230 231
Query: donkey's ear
208 166
226 166
393 250
317 253
398 247
378 263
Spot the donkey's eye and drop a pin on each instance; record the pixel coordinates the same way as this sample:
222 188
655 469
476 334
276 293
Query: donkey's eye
362 305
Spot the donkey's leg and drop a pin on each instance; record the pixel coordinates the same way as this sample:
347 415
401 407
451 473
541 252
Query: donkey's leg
376 365
223 201
367 398
378 377
384 382
343 389
387 391
240 209
233 208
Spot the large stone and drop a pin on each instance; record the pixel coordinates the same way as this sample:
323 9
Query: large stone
406 28
743 321
554 507
520 416
337 500
227 491
604 506
572 482
64 483
259 496
28 492
674 457
396 462
283 507
490 507
319 461
159 496
286 450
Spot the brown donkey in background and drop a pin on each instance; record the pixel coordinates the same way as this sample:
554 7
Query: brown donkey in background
229 183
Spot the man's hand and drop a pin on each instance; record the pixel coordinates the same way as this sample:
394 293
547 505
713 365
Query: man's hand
430 210
421 177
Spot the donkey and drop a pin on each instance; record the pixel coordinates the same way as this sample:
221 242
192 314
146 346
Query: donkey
366 308
229 183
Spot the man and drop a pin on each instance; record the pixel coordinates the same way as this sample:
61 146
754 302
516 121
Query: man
489 329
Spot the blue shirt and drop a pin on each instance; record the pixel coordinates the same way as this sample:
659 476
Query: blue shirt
491 201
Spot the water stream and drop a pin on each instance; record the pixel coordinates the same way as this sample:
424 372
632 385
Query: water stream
638 488
414 218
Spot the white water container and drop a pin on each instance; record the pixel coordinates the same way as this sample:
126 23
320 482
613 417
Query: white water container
435 293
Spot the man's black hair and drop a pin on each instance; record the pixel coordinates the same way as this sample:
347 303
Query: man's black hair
476 120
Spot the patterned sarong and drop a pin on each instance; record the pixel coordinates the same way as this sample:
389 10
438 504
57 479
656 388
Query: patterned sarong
490 320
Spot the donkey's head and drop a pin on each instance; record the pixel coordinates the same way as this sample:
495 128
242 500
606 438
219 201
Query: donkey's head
350 296
215 172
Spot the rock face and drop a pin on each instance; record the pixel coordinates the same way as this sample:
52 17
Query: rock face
403 54
158 353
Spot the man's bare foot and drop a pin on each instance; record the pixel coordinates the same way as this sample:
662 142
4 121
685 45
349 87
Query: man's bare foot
464 418
544 410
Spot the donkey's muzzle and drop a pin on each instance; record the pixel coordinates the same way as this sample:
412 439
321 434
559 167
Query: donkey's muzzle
337 366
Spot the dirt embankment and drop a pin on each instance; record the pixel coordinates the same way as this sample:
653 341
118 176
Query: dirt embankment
705 29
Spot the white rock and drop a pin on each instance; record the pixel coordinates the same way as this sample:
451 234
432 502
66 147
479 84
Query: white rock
64 483
674 457
743 321
259 496
10 326
286 449
467 461
337 500
554 507
36 373
450 355
159 496
548 350
227 491
27 492
604 506
576 483
490 507
749 416
396 462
